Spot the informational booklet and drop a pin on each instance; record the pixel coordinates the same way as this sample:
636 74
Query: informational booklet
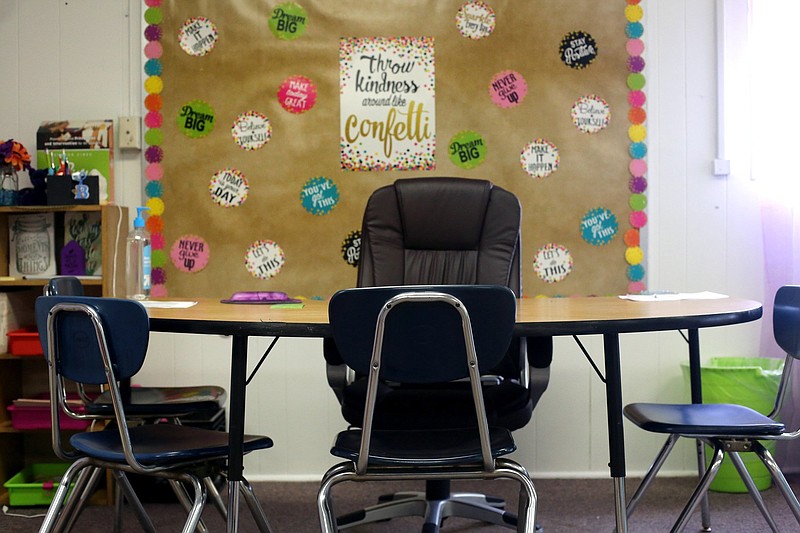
75 145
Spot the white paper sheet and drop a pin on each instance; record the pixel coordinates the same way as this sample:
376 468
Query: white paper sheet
166 304
672 296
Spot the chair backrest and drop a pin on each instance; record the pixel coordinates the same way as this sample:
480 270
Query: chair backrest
74 329
422 341
63 286
786 329
786 319
422 231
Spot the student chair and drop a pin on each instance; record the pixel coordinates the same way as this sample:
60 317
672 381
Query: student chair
727 428
103 341
418 336
152 404
443 231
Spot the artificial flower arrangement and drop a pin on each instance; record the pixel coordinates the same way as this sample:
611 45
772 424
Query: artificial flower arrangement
14 154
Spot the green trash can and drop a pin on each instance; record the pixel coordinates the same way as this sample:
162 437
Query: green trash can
748 381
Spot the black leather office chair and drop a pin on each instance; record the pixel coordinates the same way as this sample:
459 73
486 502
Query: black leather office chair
443 231
419 336
728 428
103 341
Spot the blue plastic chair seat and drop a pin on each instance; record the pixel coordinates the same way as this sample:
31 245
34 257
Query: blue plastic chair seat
702 419
163 444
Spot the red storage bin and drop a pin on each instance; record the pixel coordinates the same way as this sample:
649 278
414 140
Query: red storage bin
24 341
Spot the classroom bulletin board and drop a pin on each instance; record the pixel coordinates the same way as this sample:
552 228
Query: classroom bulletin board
269 124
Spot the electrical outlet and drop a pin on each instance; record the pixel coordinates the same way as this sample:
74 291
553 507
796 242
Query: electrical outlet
130 133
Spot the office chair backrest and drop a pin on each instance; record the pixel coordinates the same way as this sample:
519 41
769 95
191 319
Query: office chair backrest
441 231
423 342
63 286
77 353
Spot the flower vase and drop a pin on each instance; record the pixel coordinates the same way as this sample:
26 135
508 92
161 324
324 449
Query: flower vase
9 185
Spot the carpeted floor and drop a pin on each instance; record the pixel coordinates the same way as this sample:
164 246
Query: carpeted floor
564 505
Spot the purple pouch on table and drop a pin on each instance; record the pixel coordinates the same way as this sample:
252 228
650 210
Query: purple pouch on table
260 297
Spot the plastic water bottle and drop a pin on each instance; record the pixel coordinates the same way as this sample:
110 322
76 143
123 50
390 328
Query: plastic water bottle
138 260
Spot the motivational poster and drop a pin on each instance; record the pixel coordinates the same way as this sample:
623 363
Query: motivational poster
228 188
475 20
540 158
387 103
198 36
196 119
251 130
297 94
552 263
264 259
351 248
319 195
508 88
599 226
467 149
189 253
590 114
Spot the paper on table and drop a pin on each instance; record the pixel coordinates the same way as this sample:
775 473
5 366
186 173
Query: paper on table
166 304
672 296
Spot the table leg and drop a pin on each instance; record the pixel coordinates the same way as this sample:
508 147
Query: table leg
696 387
236 427
616 436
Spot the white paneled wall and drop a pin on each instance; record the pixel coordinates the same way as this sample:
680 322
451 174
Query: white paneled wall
82 59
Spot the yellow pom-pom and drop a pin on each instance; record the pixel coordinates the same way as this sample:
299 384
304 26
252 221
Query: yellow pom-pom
156 206
634 255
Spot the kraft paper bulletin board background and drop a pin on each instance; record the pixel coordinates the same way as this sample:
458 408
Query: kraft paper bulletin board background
269 124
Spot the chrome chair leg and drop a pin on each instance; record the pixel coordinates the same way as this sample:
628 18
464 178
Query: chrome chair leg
124 488
216 499
705 511
648 478
779 478
59 497
700 490
255 507
736 459
183 498
81 491
197 503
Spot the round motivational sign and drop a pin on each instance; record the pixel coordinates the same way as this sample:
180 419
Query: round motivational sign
475 20
251 130
297 94
197 36
578 49
508 88
288 21
351 248
189 253
467 149
264 259
599 226
228 188
552 263
540 158
319 196
196 119
590 114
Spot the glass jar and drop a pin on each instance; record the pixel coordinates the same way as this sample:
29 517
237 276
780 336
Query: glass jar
31 241
9 185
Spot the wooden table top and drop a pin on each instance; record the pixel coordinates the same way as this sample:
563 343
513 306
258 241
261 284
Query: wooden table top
535 316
